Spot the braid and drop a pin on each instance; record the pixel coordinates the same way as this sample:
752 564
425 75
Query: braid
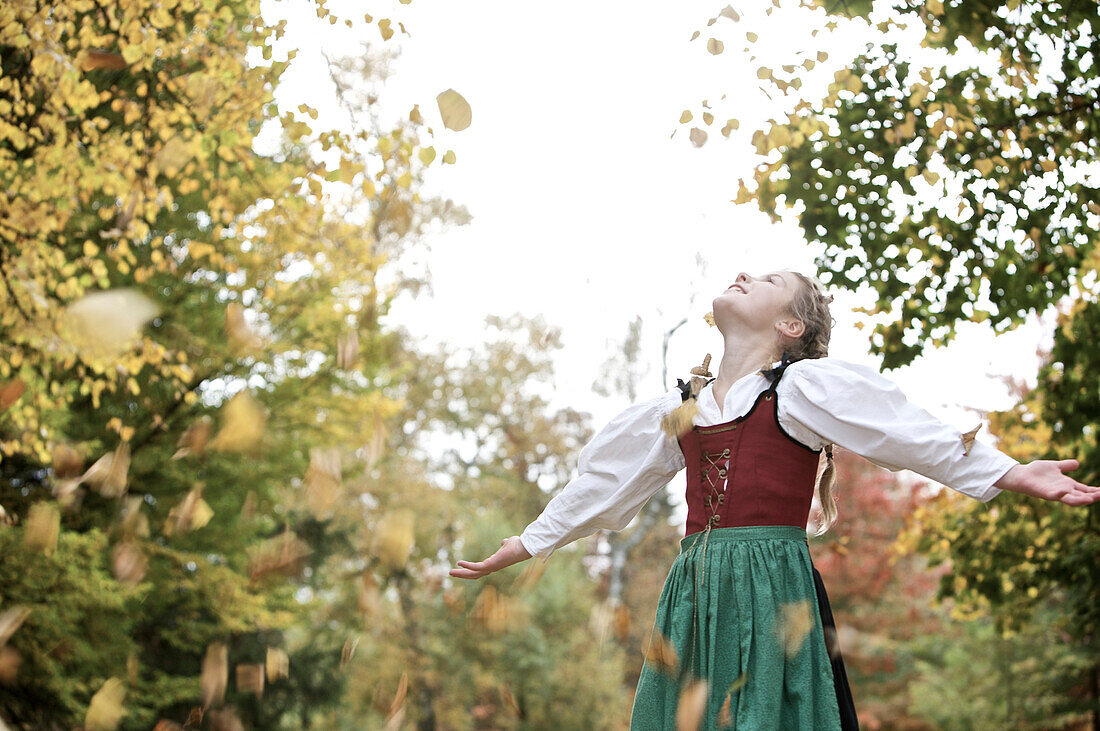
810 305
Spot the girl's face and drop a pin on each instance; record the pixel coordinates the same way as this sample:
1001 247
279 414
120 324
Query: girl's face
758 303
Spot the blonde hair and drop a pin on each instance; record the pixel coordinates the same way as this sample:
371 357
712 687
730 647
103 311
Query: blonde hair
810 305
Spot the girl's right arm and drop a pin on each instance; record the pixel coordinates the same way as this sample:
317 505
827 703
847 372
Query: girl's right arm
628 461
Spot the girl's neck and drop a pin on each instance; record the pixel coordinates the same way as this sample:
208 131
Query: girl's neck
740 357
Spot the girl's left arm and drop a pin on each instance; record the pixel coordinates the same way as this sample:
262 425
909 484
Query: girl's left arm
854 406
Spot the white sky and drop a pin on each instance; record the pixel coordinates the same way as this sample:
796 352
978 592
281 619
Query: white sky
584 210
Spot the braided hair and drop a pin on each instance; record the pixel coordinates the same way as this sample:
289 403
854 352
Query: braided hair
810 305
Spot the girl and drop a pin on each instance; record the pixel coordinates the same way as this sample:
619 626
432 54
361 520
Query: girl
742 622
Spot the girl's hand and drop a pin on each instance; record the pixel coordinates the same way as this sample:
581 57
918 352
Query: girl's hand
511 551
1043 478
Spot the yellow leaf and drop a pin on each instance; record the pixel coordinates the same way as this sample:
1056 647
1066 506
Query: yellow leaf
277 664
793 625
449 157
934 6
715 46
394 538
385 29
242 426
692 705
426 155
404 180
685 117
105 710
215 674
105 324
1048 166
454 110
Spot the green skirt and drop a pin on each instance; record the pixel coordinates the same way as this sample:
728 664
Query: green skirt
748 593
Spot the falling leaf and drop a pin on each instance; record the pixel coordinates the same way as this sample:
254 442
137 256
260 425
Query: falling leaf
704 369
248 508
455 599
10 659
105 710
685 117
133 523
166 725
793 626
449 157
725 718
510 699
497 612
661 653
91 60
194 438
283 554
692 705
370 598
832 642
242 425
225 719
377 440
348 650
108 474
10 392
128 563
250 678
132 669
697 136
621 623
968 439
236 328
729 12
215 674
529 576
399 696
394 538
680 420
324 478
277 664
694 36
715 46
454 110
41 528
189 514
105 324
10 620
709 317
752 37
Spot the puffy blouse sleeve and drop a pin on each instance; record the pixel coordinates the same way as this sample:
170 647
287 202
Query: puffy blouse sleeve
827 400
628 461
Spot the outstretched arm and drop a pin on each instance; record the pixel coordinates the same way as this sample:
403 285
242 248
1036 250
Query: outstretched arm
511 551
1045 478
618 471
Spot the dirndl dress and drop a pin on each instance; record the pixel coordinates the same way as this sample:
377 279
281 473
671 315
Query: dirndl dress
742 607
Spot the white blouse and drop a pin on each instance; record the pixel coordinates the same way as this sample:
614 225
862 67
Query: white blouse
820 400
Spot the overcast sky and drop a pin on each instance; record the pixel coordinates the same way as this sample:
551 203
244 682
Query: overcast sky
585 211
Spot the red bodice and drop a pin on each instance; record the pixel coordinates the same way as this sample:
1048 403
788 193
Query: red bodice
748 471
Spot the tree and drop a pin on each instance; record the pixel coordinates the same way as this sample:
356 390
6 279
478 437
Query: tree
200 321
953 183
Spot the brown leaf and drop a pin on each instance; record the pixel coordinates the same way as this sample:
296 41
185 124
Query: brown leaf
277 664
794 625
132 669
697 136
692 705
91 60
166 725
283 554
128 563
194 438
225 719
621 623
134 523
968 439
10 659
662 654
529 576
65 461
497 612
348 650
215 674
10 620
105 710
370 599
347 349
250 678
680 420
703 370
324 478
240 334
399 696
455 599
510 699
108 474
190 514
10 392
709 317
41 528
